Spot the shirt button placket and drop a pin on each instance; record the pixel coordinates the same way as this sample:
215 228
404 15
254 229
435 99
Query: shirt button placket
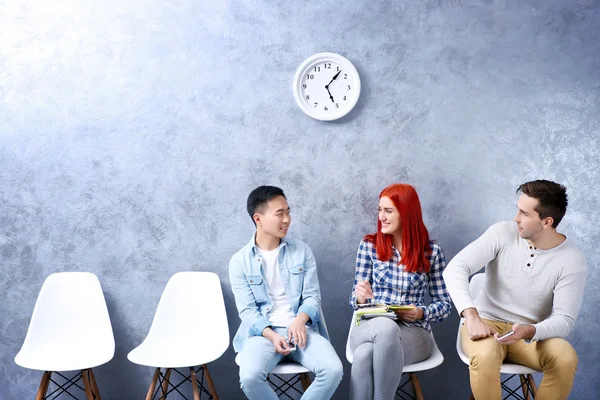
531 258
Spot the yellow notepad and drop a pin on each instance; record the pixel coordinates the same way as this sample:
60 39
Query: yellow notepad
382 310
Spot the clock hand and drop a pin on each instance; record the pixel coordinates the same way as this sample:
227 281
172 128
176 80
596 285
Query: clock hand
330 96
334 78
327 86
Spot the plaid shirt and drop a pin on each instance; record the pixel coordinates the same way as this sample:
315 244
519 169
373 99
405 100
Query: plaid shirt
392 285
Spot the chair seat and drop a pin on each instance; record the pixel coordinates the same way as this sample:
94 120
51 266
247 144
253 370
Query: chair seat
283 368
176 353
68 357
436 358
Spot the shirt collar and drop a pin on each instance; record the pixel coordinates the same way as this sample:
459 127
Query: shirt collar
254 248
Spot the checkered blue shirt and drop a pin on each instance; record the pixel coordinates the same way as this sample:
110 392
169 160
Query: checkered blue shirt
392 285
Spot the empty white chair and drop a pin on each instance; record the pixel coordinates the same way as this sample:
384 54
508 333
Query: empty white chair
70 330
524 373
434 360
189 330
289 373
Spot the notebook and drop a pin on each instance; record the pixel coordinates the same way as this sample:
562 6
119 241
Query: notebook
380 310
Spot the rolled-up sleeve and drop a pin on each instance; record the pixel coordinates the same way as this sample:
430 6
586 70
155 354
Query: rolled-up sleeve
364 269
441 304
310 302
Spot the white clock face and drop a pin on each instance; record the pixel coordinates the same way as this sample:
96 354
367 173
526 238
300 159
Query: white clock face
326 86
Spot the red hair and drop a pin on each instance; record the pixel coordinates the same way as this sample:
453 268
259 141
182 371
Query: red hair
415 238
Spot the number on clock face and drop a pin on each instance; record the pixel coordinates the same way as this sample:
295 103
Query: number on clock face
326 86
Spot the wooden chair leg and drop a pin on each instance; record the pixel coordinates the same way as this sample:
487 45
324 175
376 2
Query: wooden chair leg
153 384
416 385
44 383
302 378
524 387
165 384
47 383
95 390
194 383
532 385
210 383
305 380
85 374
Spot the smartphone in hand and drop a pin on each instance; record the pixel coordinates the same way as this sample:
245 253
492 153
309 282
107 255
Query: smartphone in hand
507 334
291 345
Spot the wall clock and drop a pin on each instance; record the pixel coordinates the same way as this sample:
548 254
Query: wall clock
326 86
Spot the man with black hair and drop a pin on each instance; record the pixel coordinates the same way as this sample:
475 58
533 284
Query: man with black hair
276 289
534 282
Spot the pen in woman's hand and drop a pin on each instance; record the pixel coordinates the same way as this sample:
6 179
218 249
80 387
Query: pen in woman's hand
360 279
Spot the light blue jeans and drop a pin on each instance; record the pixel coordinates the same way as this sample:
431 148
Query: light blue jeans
258 358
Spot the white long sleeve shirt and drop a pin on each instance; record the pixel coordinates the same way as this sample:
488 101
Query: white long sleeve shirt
522 284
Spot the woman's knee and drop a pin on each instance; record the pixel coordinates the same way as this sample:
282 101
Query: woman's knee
385 328
386 324
363 354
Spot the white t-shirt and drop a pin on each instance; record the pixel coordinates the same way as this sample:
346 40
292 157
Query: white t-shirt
280 314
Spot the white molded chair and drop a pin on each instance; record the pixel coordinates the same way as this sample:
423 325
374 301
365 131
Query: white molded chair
299 373
434 360
524 373
189 330
70 330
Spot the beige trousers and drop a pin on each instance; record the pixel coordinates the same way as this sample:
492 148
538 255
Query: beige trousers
555 357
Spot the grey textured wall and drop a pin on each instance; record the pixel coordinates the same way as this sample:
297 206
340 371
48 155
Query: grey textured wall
132 132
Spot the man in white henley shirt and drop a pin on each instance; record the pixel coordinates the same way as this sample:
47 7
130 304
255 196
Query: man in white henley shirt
534 282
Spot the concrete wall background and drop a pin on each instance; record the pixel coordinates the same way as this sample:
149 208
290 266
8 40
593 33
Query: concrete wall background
132 132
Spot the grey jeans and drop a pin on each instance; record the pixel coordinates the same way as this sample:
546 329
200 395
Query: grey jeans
381 348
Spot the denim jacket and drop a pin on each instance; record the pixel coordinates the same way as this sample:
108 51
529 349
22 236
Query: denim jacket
247 277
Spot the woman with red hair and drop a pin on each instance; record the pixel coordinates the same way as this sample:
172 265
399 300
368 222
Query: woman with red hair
396 265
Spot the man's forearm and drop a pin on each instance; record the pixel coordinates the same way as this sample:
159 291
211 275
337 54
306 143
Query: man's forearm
470 312
304 316
268 333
